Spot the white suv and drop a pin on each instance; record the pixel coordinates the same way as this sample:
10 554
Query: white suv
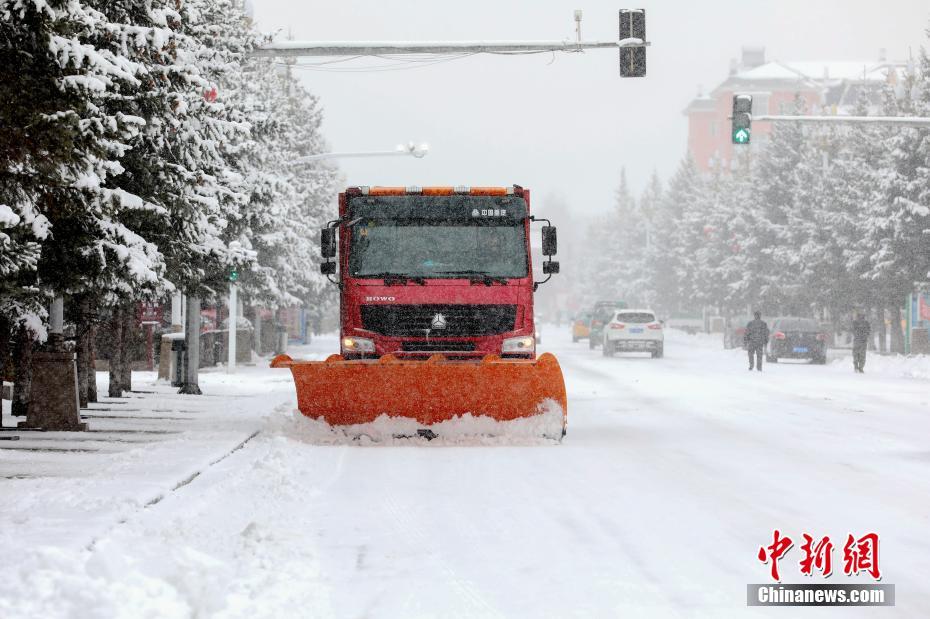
634 330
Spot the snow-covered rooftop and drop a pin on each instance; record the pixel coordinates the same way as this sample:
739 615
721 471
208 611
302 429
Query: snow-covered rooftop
821 70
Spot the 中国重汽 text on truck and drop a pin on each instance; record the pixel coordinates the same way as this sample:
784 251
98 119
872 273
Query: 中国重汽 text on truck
436 310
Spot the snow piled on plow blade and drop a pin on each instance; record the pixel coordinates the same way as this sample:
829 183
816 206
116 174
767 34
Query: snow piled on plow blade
543 428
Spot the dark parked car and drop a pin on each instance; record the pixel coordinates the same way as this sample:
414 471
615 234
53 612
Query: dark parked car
601 314
797 338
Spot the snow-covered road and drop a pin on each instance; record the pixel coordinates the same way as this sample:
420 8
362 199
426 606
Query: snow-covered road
673 474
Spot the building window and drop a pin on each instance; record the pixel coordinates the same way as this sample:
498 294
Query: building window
760 104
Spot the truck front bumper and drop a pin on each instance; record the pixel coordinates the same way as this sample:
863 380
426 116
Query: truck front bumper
459 349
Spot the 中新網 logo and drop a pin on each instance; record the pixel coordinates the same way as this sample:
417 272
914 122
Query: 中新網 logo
859 555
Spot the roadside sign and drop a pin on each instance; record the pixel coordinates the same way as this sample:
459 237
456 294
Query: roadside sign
149 313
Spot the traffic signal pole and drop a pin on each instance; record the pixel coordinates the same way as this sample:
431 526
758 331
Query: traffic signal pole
286 49
900 121
741 120
232 328
632 46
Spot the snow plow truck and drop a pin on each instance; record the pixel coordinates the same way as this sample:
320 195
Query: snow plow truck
436 312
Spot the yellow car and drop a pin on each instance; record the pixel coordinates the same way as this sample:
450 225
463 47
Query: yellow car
581 326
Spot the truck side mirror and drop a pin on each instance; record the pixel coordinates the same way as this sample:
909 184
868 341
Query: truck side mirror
549 241
328 242
550 267
328 268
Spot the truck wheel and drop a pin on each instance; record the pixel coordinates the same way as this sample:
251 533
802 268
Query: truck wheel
574 340
591 343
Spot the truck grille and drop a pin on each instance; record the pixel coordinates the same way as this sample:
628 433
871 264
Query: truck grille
460 320
437 346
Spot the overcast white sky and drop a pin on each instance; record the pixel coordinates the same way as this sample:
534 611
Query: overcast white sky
565 125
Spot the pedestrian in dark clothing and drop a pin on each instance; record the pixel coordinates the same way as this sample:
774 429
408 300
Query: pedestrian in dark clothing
861 330
755 339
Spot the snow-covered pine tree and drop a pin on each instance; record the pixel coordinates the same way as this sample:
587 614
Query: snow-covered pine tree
176 165
70 143
808 250
625 243
771 263
225 37
898 223
280 206
314 188
854 167
643 290
709 227
32 147
733 199
669 247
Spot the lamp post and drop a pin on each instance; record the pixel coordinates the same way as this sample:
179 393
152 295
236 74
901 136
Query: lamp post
232 323
410 149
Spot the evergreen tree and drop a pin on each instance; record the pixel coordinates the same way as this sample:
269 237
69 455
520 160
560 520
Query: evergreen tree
642 290
771 264
669 249
62 144
625 243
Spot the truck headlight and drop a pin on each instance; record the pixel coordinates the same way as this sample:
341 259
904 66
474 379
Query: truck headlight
357 344
519 344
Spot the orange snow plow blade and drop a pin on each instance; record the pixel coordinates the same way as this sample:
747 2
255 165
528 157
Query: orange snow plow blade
352 392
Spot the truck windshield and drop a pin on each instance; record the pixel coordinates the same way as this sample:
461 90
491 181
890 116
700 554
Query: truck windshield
437 248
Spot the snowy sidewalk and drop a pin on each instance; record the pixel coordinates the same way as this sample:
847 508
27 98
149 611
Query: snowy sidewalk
67 488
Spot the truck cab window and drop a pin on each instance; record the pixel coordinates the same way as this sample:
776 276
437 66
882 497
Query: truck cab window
437 248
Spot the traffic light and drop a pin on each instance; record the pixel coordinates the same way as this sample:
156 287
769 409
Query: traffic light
742 119
633 26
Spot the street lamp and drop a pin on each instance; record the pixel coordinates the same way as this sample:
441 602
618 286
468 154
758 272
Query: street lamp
403 150
232 326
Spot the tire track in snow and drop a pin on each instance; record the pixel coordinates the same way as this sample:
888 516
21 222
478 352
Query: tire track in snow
181 484
407 523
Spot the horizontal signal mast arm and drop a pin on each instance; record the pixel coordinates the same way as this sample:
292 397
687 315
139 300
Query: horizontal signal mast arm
913 121
380 48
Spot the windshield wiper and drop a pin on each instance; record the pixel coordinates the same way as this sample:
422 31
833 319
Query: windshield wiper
391 279
477 277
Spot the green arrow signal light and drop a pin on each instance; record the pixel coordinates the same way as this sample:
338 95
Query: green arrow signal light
741 136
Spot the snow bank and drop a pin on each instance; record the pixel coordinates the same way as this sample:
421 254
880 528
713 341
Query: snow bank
544 428
897 366
55 582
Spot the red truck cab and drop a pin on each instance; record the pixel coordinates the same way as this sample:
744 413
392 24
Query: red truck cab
435 270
